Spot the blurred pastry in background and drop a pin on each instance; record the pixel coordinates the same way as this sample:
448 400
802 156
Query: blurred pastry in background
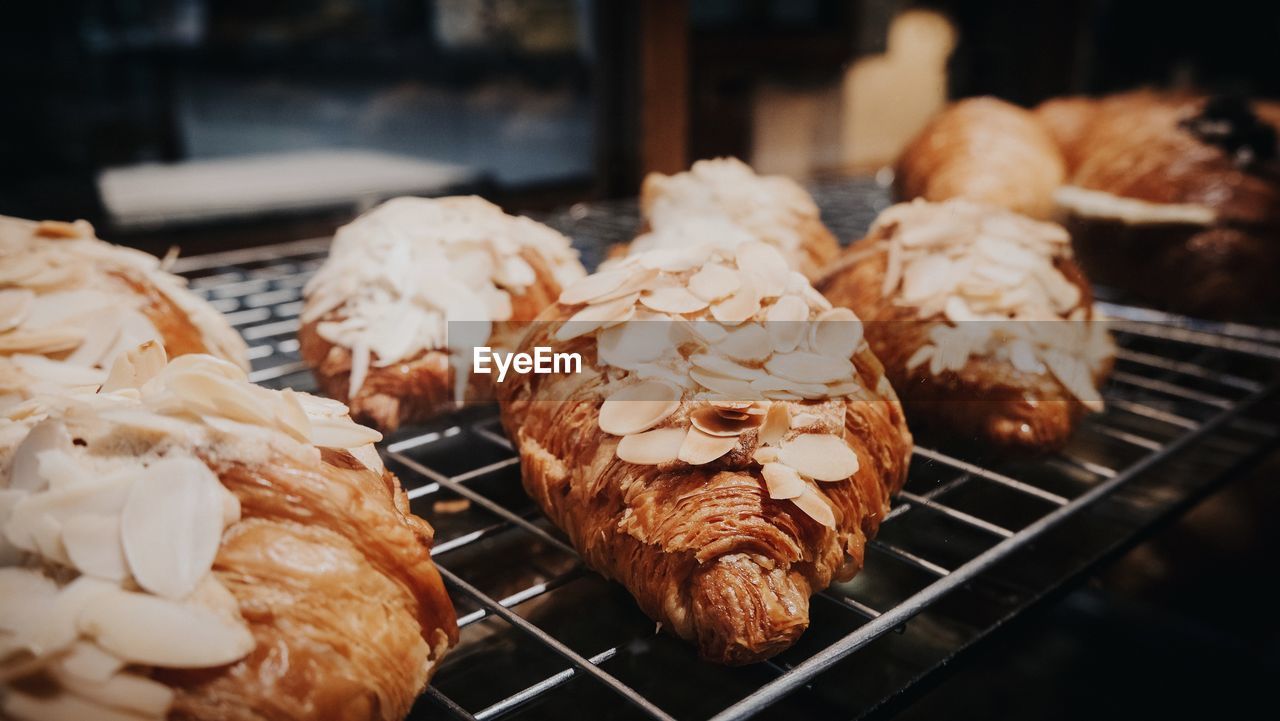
728 448
185 545
983 321
401 279
985 150
1176 199
70 304
723 202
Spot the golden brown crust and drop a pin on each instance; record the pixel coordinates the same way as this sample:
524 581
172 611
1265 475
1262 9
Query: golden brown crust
418 389
987 150
335 578
1137 147
986 401
704 549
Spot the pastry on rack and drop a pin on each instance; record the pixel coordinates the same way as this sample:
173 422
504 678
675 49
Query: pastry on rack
1176 198
983 321
185 545
727 449
986 150
70 304
375 327
725 203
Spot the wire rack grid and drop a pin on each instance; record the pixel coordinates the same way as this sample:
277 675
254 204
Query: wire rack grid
969 542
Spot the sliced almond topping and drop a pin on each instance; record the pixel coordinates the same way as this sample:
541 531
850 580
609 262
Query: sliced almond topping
24 469
785 321
87 661
724 385
629 345
782 481
22 706
674 260
651 447
594 316
747 342
720 365
732 404
341 433
715 422
816 506
836 333
765 454
136 367
594 286
15 303
810 367
672 299
171 525
124 691
740 306
699 448
819 456
93 545
638 407
776 423
141 628
766 266
714 281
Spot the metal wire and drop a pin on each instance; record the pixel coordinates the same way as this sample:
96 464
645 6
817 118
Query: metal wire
1177 381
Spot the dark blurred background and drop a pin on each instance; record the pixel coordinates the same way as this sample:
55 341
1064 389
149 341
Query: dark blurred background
176 118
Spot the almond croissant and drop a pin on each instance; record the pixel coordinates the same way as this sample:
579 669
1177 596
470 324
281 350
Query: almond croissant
184 545
725 452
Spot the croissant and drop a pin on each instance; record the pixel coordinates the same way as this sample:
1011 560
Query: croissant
1177 199
185 545
986 150
70 304
379 312
959 301
724 202
727 448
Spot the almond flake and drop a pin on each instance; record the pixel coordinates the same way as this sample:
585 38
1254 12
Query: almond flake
93 544
785 321
154 631
15 303
766 266
720 365
810 367
634 343
87 661
24 468
765 454
820 456
595 316
836 333
713 282
724 385
171 525
638 407
22 706
136 367
740 306
714 422
672 300
593 287
747 342
651 447
776 423
815 506
124 691
341 433
782 481
699 448
674 260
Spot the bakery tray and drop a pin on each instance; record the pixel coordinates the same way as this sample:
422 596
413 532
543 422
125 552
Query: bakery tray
970 543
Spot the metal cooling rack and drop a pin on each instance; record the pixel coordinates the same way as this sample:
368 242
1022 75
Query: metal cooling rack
970 543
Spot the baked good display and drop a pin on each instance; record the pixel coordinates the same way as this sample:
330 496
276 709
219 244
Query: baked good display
71 303
727 449
1173 197
185 545
1176 198
985 150
983 321
377 317
724 202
